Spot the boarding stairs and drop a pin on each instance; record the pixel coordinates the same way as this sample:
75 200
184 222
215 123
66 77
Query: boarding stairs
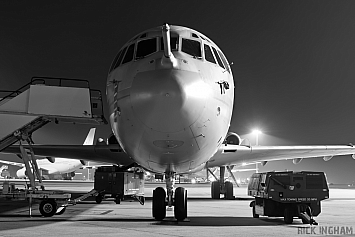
44 100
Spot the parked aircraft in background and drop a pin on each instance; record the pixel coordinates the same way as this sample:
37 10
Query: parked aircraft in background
56 165
170 93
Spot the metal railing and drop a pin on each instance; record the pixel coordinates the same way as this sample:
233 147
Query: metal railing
95 95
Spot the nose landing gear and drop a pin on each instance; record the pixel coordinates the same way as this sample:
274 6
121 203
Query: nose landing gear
161 199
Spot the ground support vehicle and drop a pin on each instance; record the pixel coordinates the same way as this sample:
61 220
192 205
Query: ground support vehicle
288 194
111 181
50 202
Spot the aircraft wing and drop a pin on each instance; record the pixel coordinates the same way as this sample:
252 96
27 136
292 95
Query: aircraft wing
12 163
101 153
244 155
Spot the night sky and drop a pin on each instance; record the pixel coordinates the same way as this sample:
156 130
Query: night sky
294 62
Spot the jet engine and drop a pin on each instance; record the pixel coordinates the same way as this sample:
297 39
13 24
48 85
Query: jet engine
111 140
50 159
232 139
21 173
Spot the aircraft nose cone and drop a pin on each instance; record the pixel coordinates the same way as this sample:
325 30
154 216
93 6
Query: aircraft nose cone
168 100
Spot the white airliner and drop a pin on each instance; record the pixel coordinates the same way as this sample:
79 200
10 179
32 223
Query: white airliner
170 93
56 165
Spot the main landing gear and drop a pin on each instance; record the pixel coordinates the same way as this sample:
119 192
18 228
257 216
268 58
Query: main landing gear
220 187
161 199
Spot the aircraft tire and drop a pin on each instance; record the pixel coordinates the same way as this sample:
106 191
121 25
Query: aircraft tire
229 190
159 206
215 190
180 209
48 207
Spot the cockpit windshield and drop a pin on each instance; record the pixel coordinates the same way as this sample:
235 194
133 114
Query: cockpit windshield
146 47
208 54
191 47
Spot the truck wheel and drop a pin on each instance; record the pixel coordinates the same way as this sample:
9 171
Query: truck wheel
254 214
98 199
215 190
48 207
288 218
118 199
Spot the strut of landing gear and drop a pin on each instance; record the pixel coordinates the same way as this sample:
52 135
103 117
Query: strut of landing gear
162 199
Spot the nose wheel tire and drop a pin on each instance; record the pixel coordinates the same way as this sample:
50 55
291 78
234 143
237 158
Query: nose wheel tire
48 208
180 210
159 206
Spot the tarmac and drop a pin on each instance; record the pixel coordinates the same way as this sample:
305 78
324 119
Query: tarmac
206 217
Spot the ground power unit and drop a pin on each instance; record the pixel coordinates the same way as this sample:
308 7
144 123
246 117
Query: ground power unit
112 182
288 194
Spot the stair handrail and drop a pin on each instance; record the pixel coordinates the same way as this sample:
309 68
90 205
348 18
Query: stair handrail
40 80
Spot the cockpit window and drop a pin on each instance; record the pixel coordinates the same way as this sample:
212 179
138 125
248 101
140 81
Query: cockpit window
208 54
217 57
114 63
129 55
143 35
191 47
194 35
146 47
118 61
174 43
226 64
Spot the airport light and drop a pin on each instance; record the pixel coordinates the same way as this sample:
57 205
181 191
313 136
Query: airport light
257 132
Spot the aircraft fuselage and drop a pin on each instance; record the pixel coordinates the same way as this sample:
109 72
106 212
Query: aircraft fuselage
170 113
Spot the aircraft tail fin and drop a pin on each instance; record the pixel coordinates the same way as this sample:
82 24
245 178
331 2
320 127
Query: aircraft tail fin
90 137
